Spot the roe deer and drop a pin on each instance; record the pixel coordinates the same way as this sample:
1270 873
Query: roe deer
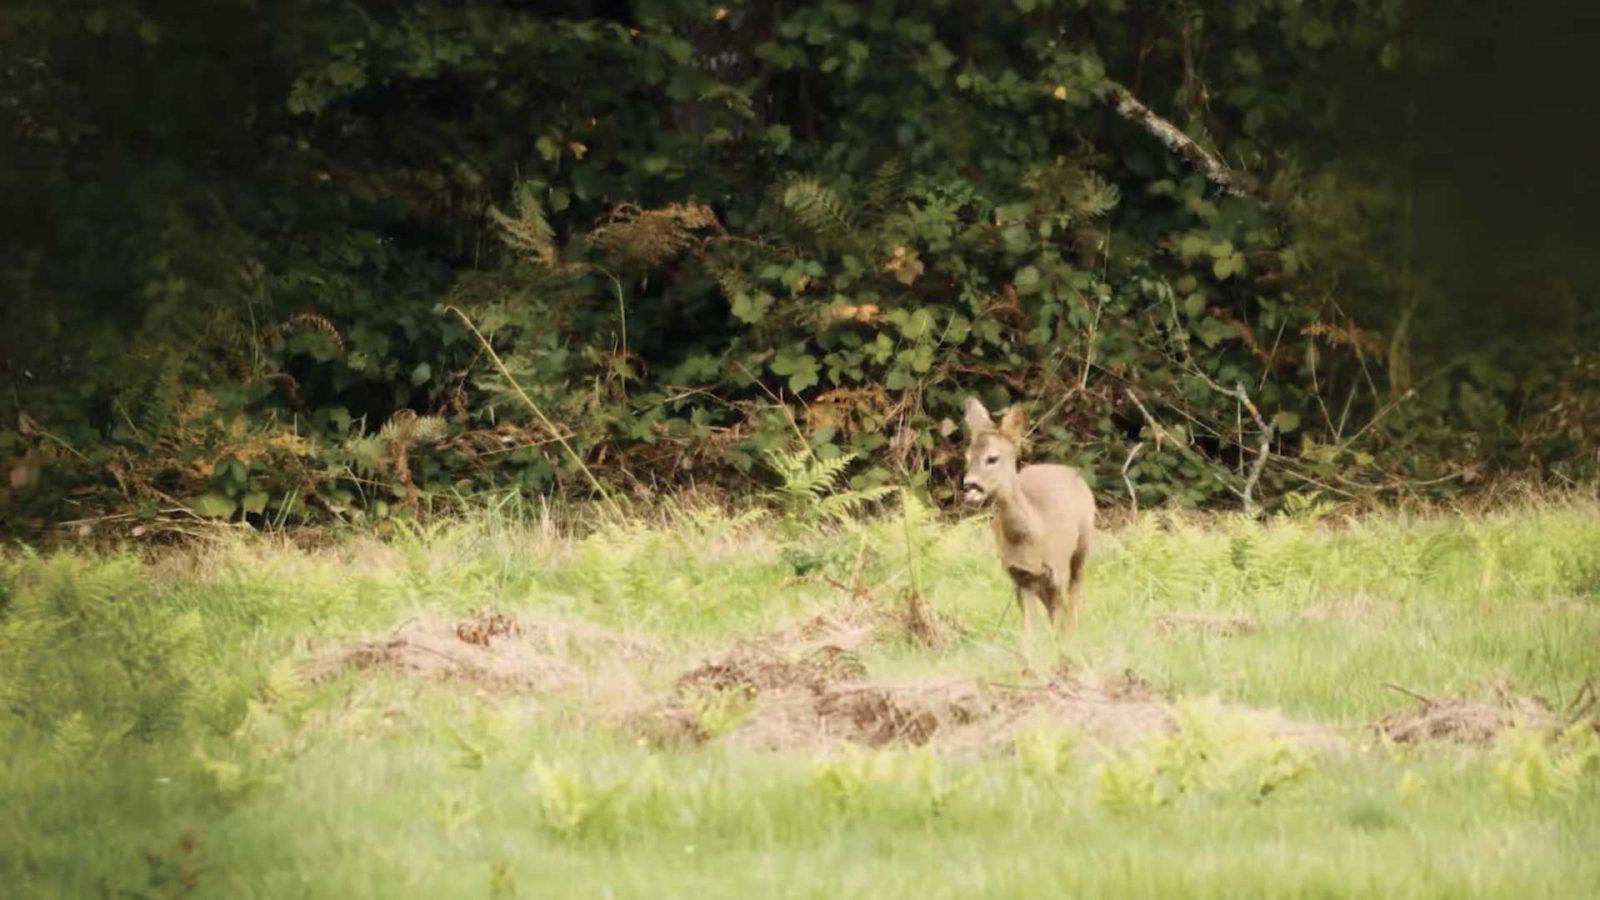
1043 516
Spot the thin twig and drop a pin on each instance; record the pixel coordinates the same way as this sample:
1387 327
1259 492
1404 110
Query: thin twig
784 408
622 315
1410 693
1132 497
543 419
1155 427
1246 493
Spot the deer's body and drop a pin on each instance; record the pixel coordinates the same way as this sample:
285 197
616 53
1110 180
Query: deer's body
1043 518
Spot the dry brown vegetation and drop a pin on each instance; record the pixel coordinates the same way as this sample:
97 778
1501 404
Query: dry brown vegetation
803 687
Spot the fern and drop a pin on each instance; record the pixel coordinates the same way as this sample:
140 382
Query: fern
1096 197
87 653
388 451
649 237
817 207
887 189
528 231
73 738
809 488
1068 188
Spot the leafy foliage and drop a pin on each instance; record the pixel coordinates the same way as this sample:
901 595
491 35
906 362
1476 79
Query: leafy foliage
664 213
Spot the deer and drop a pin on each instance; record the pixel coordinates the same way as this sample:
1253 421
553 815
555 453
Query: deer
1043 517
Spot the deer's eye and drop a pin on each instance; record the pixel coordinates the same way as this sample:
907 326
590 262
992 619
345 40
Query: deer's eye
991 460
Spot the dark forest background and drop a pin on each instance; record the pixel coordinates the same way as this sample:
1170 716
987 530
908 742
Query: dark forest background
242 241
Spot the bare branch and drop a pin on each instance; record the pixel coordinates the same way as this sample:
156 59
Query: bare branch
1246 494
1207 163
1132 497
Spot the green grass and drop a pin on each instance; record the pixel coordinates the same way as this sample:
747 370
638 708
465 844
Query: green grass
158 741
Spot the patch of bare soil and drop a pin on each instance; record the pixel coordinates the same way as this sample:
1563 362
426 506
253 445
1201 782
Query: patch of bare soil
1463 720
488 649
1201 623
805 688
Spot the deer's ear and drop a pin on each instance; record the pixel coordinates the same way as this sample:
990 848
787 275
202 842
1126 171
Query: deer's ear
976 416
1013 423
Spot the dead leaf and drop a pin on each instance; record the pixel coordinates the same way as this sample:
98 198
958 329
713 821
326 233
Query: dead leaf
904 265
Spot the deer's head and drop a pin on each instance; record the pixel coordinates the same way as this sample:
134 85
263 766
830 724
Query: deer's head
991 452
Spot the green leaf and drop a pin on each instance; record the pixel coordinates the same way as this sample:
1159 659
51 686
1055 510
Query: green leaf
1017 238
213 505
421 373
1213 332
751 308
1026 280
254 502
1227 266
801 367
915 325
1286 421
779 137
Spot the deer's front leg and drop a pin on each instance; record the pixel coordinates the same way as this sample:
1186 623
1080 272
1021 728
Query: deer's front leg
1025 604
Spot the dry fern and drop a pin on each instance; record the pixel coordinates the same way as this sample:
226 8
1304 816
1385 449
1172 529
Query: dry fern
1344 336
632 236
311 321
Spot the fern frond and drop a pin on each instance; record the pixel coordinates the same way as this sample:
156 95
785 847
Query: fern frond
888 186
822 474
1068 187
406 428
366 455
648 237
810 486
815 205
1096 197
73 737
845 504
527 231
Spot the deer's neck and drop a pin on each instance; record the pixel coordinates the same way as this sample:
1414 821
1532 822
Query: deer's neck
1017 518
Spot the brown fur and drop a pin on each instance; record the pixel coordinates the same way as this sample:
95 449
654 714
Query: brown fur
1043 517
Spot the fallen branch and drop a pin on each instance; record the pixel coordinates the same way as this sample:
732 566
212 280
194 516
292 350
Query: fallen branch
1126 105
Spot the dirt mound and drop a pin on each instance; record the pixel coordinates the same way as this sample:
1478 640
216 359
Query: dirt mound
805 688
488 649
1463 720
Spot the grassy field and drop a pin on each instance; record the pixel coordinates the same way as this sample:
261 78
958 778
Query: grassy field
701 704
